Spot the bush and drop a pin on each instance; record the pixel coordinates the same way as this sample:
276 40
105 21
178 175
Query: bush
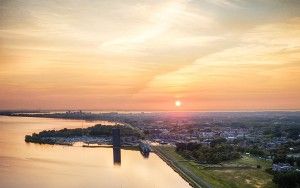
258 166
289 179
221 151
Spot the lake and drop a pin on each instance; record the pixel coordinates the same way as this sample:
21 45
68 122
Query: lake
33 165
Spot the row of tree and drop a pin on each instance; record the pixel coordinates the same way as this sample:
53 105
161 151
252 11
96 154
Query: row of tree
218 151
289 179
47 136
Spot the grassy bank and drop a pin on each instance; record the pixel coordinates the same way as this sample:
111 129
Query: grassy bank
237 173
178 163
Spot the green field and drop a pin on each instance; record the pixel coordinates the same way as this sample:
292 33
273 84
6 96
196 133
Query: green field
237 173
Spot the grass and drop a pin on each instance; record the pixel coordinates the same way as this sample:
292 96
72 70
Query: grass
250 161
236 173
177 163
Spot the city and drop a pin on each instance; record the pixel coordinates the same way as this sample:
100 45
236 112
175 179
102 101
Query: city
208 138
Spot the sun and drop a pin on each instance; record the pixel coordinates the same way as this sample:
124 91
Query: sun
177 103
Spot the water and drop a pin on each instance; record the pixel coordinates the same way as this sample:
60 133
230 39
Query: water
33 165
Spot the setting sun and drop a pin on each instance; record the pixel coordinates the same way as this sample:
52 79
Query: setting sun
177 103
161 91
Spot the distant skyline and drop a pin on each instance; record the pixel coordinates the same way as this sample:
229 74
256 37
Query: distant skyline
177 55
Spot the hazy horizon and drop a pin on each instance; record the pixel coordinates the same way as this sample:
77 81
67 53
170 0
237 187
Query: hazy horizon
150 111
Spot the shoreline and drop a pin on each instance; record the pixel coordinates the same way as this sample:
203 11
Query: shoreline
125 147
196 182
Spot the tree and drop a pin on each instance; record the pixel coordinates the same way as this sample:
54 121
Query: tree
287 179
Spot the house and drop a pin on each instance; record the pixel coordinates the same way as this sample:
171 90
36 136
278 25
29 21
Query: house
282 167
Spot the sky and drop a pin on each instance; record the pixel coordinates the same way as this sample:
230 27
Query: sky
145 55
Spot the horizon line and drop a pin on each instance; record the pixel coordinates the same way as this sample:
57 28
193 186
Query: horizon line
152 111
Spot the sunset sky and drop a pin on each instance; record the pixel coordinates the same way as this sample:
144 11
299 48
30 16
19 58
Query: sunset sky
145 55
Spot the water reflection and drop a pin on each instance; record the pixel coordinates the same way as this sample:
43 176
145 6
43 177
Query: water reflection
48 166
116 146
145 154
117 155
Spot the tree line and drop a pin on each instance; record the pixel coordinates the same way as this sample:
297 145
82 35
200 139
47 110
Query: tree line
218 151
97 130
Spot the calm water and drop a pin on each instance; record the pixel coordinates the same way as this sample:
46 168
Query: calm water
34 165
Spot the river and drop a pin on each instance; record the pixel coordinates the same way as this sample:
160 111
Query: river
33 165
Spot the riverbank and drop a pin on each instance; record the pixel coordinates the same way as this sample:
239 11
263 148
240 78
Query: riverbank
175 162
232 174
134 148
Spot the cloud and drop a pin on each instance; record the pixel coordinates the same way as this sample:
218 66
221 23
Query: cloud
148 51
263 62
163 31
226 3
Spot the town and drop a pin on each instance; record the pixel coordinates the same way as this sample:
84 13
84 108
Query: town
267 136
266 130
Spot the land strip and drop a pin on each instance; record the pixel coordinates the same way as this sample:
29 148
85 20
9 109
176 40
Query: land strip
230 174
176 164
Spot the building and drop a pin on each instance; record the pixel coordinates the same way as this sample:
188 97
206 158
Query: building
282 167
116 140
